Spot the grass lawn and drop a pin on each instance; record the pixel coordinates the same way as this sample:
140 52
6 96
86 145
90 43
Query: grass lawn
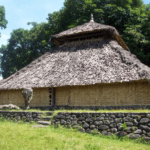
88 110
15 136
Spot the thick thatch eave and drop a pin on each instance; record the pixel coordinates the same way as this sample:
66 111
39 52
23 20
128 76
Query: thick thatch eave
85 62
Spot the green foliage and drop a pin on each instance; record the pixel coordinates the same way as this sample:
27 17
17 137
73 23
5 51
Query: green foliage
3 21
124 126
24 46
24 136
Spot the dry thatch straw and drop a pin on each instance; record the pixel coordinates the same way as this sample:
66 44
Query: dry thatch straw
89 30
84 62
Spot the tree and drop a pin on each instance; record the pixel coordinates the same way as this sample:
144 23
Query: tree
23 47
3 21
130 17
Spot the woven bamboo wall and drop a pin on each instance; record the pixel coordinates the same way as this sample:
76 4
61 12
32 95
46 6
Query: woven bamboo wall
11 96
40 97
104 95
4 97
62 95
91 95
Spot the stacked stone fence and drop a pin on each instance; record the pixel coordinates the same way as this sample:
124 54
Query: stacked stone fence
134 125
21 115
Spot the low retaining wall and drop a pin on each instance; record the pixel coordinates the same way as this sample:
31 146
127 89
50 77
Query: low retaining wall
134 125
132 107
19 115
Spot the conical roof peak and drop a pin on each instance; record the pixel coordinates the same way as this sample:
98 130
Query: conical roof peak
90 29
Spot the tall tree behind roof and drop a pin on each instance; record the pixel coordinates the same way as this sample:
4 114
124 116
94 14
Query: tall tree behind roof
3 23
130 17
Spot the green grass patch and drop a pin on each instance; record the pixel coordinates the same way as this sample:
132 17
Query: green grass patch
88 110
24 137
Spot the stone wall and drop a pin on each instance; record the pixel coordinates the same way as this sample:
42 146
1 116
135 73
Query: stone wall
134 125
21 115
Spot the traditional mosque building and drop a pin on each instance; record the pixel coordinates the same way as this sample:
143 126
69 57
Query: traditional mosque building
91 66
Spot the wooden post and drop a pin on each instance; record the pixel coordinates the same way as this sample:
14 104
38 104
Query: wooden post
54 97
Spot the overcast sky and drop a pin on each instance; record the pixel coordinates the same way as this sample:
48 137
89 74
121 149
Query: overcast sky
19 12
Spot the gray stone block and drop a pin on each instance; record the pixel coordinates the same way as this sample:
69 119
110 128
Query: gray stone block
74 122
144 120
88 130
129 123
79 122
114 130
148 134
144 132
128 130
81 118
75 126
103 127
113 125
127 119
88 119
99 118
121 133
119 124
111 120
82 130
85 125
146 128
104 133
138 131
112 116
120 115
134 136
120 128
97 123
118 120
62 122
92 126
135 122
148 116
146 138
68 122
106 122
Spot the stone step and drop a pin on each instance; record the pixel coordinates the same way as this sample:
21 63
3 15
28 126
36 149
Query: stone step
39 126
50 113
44 122
47 118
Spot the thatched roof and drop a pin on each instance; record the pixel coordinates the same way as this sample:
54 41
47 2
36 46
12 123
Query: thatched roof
88 30
80 63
